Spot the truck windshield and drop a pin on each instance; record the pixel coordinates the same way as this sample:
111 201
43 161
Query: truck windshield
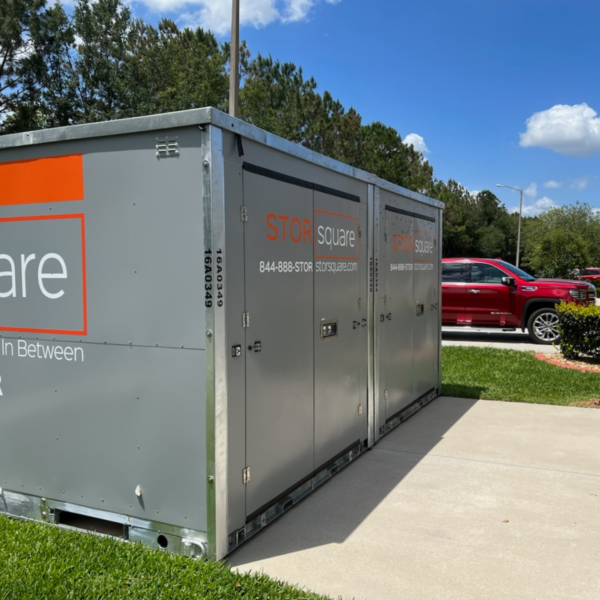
520 273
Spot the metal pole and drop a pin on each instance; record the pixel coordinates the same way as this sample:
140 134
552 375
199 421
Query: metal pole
234 70
519 228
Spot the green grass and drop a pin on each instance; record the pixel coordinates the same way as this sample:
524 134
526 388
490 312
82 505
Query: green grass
39 562
494 374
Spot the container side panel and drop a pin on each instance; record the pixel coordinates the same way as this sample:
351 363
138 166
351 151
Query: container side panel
426 290
87 423
339 268
236 380
399 312
407 319
365 307
378 298
143 234
101 354
279 241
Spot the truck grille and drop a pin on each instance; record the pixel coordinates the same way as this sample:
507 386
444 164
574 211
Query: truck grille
584 296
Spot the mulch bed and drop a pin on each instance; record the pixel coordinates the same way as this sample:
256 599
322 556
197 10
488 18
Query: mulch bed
592 403
582 364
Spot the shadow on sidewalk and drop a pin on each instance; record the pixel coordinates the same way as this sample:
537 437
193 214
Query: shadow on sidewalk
338 508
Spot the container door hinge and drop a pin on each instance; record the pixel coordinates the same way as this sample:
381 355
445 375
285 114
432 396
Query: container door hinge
359 232
244 214
360 410
246 475
245 320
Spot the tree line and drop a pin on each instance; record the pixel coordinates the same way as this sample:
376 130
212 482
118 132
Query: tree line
97 62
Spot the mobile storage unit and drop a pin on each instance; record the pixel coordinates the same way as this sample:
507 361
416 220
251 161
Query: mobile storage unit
200 323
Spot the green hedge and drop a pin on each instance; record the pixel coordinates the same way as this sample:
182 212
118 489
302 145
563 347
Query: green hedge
580 330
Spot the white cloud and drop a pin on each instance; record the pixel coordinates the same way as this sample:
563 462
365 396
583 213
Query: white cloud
573 130
531 190
216 14
474 192
537 208
580 183
553 184
417 142
296 10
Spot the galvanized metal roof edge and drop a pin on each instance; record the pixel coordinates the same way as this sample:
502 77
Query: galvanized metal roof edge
203 116
224 121
185 118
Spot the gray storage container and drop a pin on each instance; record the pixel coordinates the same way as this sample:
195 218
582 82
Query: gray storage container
200 323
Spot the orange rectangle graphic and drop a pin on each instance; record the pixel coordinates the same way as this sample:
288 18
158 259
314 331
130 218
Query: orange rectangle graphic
55 179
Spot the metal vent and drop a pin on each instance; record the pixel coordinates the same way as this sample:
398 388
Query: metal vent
167 147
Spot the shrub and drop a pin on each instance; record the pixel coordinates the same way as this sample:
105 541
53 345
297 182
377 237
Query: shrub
579 329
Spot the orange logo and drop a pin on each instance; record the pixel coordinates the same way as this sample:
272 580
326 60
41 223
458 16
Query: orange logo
284 227
403 243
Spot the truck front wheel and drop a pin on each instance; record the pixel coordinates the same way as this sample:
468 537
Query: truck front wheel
543 326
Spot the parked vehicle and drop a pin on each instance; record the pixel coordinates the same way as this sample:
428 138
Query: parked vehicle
482 292
591 274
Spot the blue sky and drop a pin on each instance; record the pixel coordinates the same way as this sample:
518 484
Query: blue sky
499 91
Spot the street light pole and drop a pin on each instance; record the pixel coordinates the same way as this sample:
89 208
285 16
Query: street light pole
520 214
234 69
519 228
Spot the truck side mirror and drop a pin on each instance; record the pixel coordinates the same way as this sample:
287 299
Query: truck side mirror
509 281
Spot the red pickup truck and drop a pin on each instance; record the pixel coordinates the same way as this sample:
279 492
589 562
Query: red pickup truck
482 292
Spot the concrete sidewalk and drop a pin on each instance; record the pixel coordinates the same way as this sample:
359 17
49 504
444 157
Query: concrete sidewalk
466 500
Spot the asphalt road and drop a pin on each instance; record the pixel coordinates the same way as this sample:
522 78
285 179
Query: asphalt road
492 338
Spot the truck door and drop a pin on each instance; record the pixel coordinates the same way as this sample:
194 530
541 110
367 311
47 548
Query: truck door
454 293
278 241
488 299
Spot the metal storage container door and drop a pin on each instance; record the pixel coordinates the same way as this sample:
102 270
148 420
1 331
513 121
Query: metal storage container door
337 349
426 283
399 311
279 366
